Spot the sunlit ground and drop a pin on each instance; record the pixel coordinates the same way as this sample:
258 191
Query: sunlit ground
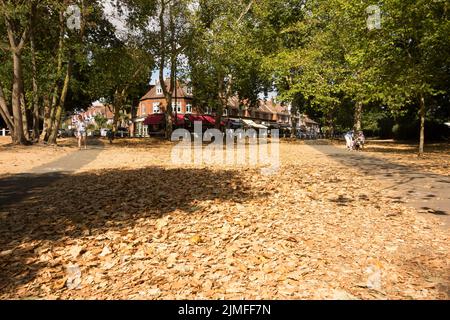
130 224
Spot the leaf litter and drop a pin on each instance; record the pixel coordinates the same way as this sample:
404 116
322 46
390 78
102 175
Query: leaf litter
315 230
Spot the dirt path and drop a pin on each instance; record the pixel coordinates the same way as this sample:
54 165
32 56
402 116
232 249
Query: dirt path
427 192
16 187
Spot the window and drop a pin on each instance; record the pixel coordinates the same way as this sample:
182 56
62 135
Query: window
156 108
208 110
176 107
159 90
188 108
225 112
143 109
189 90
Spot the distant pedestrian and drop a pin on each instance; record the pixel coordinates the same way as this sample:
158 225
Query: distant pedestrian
81 132
360 140
110 135
349 140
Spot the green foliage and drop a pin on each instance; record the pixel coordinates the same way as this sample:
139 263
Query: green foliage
100 121
325 54
319 55
225 56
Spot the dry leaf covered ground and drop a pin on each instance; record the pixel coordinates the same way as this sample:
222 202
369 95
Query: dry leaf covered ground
436 159
131 225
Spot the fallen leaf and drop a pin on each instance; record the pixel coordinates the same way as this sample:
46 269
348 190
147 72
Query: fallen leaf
196 239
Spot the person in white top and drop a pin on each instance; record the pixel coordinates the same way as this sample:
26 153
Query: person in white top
349 140
81 132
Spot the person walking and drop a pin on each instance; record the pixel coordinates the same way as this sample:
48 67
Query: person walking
349 140
81 132
110 135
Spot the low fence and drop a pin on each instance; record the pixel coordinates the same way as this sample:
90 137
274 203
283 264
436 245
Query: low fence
4 132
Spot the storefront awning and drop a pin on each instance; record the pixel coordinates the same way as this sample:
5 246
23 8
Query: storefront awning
273 125
179 120
156 118
204 119
253 124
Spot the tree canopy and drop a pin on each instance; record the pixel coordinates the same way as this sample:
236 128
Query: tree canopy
333 59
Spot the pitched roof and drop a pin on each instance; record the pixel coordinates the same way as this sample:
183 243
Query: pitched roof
181 91
233 102
306 119
266 106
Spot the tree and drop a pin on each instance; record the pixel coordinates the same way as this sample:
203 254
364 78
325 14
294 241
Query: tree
17 16
56 59
167 36
224 57
413 59
114 80
100 121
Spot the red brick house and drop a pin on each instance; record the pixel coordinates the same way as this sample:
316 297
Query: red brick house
267 112
154 102
94 110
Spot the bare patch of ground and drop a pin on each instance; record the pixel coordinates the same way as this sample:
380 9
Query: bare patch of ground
19 159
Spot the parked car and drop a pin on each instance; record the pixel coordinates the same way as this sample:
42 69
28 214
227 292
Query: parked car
65 133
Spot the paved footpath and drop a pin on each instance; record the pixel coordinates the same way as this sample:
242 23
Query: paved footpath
429 193
18 186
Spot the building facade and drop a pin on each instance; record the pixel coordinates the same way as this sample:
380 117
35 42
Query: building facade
94 110
267 112
155 102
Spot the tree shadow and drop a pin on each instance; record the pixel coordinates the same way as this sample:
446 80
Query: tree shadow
90 204
413 184
405 147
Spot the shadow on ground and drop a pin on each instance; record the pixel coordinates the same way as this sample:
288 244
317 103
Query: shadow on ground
14 188
427 192
90 204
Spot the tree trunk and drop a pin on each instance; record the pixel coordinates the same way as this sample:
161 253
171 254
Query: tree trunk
224 93
4 112
422 112
331 123
35 100
46 123
50 121
55 126
219 114
119 101
61 105
222 105
26 128
358 114
169 120
16 46
19 137
294 121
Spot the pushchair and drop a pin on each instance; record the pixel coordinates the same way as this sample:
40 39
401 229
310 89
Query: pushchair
359 142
